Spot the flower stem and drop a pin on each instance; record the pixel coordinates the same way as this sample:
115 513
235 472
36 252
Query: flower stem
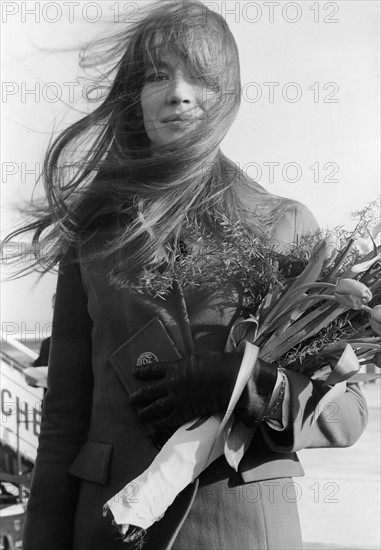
316 297
315 285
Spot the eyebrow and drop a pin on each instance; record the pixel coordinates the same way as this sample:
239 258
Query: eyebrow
159 65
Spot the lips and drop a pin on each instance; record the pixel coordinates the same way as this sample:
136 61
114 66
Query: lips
179 118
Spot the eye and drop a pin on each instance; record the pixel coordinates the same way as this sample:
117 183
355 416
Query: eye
208 81
156 77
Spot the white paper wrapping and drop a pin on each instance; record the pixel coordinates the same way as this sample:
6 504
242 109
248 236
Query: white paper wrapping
185 455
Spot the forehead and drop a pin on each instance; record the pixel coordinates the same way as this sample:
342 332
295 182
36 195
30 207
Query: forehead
167 60
197 62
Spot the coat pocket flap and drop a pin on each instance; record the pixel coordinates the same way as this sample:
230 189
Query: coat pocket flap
257 465
92 462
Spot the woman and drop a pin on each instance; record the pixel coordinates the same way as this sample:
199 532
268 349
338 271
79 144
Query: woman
148 169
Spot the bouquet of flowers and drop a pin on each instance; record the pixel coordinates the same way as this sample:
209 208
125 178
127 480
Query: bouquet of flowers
324 323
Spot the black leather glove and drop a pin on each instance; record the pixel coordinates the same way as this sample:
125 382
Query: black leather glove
200 385
253 404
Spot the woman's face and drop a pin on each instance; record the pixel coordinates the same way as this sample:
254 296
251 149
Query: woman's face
172 101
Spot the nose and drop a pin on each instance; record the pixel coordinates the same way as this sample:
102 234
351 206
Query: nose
180 91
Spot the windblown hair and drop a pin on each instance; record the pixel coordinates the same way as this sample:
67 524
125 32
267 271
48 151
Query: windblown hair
102 172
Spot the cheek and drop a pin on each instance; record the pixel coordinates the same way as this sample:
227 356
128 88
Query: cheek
152 101
146 105
210 99
150 107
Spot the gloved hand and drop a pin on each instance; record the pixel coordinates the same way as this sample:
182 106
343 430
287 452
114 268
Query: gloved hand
200 385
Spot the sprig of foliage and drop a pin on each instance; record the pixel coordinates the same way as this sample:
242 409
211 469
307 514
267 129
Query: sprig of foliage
229 257
225 258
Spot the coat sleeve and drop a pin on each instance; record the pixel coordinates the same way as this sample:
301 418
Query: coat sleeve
294 222
312 421
65 419
316 420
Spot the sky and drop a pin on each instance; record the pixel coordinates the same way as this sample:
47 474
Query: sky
308 127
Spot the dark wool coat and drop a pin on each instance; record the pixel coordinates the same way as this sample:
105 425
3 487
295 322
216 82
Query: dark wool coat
92 442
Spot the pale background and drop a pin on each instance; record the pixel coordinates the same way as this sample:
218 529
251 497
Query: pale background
313 51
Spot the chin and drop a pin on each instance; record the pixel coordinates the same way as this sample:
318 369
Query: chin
160 141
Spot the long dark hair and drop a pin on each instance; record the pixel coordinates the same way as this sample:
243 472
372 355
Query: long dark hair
102 172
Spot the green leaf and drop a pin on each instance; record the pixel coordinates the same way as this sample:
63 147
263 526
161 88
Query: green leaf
309 275
339 262
285 339
366 262
290 315
237 443
347 365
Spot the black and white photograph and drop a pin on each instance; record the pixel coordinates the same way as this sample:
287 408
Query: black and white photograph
190 275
